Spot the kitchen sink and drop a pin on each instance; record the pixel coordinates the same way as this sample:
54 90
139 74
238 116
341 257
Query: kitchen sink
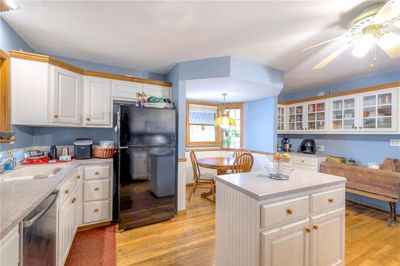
31 172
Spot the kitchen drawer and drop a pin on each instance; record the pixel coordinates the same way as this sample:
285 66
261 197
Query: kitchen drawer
304 160
93 172
283 211
96 211
68 187
96 190
327 199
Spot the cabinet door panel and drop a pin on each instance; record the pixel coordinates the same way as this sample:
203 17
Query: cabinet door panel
67 97
276 244
98 102
64 231
327 246
125 90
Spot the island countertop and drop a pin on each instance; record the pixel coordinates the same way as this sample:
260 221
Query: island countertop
260 187
19 198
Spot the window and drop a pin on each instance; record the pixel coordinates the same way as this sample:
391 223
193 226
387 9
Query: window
232 135
200 130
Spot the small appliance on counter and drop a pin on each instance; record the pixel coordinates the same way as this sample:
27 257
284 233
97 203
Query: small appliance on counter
308 146
53 152
285 145
83 148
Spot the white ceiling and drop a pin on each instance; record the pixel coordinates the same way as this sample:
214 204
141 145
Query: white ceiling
153 36
238 90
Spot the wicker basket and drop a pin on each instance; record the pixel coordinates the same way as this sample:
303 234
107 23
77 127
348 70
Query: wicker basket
103 152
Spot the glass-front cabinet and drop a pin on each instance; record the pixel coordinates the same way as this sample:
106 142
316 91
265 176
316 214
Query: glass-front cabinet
281 118
316 116
343 113
296 117
378 109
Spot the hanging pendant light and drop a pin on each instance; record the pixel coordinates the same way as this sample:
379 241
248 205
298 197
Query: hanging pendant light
224 120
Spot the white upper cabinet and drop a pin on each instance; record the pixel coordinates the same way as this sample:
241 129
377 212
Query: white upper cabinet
372 112
281 118
97 102
65 92
125 90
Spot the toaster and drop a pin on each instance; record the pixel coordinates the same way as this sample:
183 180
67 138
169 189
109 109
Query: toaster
83 148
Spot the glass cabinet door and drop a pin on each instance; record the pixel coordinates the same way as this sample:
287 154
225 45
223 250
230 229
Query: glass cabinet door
296 117
377 111
281 118
343 114
316 116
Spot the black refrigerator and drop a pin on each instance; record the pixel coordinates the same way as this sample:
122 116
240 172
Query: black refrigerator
146 166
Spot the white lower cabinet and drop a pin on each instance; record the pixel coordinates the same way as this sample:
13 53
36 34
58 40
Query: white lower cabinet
84 198
9 248
276 245
328 235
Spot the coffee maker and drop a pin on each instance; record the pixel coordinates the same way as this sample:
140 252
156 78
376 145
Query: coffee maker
285 145
308 146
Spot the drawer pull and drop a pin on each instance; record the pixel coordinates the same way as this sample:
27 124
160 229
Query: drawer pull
289 211
330 200
96 189
78 176
73 200
96 210
315 227
56 116
88 119
96 173
308 229
66 191
302 161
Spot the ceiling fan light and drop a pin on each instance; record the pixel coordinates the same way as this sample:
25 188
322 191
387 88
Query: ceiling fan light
11 4
363 45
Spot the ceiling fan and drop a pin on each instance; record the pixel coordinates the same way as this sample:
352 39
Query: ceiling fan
378 24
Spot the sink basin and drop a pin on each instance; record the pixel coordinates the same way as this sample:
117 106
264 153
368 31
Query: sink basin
31 172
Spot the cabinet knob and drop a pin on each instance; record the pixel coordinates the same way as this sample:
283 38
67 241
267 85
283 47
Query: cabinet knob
55 116
73 200
289 211
315 227
88 119
66 191
96 210
96 189
308 229
97 173
330 200
78 176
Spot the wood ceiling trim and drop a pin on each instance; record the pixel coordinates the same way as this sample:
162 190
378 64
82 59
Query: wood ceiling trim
344 93
81 71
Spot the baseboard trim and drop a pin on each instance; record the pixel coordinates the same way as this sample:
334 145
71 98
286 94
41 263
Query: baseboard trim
92 226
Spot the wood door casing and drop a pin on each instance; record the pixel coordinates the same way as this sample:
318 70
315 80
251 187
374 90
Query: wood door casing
5 100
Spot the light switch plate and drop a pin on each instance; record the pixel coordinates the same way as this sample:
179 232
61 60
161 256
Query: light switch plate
395 142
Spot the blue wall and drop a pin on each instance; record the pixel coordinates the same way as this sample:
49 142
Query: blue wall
362 148
259 130
10 40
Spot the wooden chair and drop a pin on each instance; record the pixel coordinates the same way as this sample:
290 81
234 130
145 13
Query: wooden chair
243 163
239 152
200 180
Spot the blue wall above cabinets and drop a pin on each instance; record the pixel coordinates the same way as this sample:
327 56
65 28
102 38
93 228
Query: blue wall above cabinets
10 40
259 130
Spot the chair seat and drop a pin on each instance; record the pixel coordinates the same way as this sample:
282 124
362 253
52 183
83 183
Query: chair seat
207 177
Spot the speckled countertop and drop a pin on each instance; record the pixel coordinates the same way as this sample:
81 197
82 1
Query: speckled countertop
260 187
19 198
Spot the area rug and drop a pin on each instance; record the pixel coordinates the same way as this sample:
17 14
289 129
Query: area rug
93 247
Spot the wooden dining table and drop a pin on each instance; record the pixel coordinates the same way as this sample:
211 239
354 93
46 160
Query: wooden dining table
221 164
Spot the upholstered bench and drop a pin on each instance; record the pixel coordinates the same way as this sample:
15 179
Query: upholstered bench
378 184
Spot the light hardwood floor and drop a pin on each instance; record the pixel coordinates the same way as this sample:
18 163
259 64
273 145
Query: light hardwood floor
189 238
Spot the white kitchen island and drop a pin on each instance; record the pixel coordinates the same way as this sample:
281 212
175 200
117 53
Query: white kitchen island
261 221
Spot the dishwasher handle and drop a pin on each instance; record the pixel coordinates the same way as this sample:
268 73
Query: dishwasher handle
30 222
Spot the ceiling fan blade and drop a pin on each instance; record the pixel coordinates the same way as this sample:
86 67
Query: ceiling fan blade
390 10
323 43
390 44
332 56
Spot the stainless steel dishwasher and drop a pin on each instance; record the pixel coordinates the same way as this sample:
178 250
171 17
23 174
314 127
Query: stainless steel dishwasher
38 234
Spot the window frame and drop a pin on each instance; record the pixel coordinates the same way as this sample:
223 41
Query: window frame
238 105
189 143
